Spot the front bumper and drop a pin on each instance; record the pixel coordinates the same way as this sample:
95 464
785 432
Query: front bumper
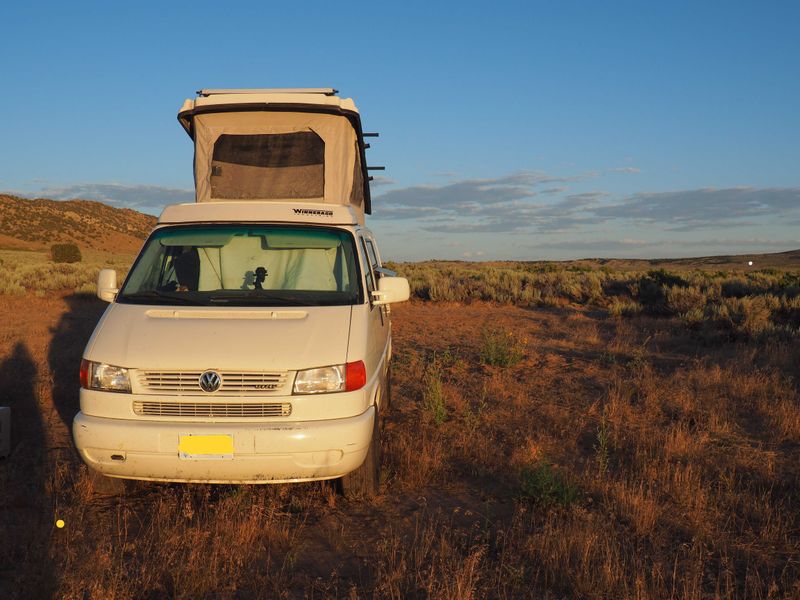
272 452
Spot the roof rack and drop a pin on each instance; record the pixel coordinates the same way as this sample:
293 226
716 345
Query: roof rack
323 91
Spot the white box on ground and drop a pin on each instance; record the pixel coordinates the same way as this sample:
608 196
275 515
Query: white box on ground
5 431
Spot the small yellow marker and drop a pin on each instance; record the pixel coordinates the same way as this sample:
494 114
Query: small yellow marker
60 523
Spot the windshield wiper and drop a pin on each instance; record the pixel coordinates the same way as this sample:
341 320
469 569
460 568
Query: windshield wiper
261 297
178 298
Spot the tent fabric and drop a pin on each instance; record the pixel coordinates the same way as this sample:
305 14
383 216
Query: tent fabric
216 180
244 182
357 189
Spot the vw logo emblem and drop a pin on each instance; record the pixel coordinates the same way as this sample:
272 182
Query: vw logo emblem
210 381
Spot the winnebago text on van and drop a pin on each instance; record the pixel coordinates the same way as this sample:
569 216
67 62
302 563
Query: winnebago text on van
251 339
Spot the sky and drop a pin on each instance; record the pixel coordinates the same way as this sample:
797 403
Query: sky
530 130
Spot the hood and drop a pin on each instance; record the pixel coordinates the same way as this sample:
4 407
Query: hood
246 339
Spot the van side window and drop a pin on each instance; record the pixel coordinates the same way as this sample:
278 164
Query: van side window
373 256
365 264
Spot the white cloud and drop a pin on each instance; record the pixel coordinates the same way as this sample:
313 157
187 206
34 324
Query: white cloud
688 210
135 196
496 205
379 180
513 204
532 202
628 247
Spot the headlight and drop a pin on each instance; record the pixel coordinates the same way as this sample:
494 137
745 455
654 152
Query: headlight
100 376
320 380
336 378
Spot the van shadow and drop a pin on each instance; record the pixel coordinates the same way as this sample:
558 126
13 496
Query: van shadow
25 503
68 341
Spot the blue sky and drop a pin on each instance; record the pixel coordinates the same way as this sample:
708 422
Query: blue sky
532 130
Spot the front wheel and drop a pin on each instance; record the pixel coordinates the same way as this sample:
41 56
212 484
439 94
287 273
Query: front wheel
365 481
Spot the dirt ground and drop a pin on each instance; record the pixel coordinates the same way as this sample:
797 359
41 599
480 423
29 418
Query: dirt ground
612 458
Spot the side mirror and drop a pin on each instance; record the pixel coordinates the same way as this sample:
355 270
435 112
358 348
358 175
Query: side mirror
107 285
391 289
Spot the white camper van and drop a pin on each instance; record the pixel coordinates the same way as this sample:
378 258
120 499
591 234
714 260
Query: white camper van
251 340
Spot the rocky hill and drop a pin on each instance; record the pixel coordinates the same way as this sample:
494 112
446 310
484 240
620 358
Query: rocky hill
37 224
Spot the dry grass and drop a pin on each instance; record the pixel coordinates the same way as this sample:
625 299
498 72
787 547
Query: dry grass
23 271
752 304
632 457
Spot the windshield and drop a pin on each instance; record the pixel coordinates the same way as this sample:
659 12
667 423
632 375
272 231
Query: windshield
245 265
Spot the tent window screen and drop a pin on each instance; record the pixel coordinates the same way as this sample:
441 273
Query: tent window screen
274 166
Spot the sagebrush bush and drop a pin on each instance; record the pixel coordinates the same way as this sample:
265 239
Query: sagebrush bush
65 253
681 300
624 308
751 305
652 295
693 318
719 301
751 315
788 314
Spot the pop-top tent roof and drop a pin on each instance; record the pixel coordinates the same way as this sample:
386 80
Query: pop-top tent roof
277 145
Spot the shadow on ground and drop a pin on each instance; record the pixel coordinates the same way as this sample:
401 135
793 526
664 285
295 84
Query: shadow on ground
66 349
25 502
41 448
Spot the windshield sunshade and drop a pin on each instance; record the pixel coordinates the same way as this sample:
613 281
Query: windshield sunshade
245 265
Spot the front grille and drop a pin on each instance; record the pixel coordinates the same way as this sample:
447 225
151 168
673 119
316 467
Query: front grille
239 383
211 409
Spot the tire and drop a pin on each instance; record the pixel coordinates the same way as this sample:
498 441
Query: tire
365 481
107 486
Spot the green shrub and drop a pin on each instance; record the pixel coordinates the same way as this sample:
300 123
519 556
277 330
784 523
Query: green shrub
501 348
544 486
433 393
65 253
603 446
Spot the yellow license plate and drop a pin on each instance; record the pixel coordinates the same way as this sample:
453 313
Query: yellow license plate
205 446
